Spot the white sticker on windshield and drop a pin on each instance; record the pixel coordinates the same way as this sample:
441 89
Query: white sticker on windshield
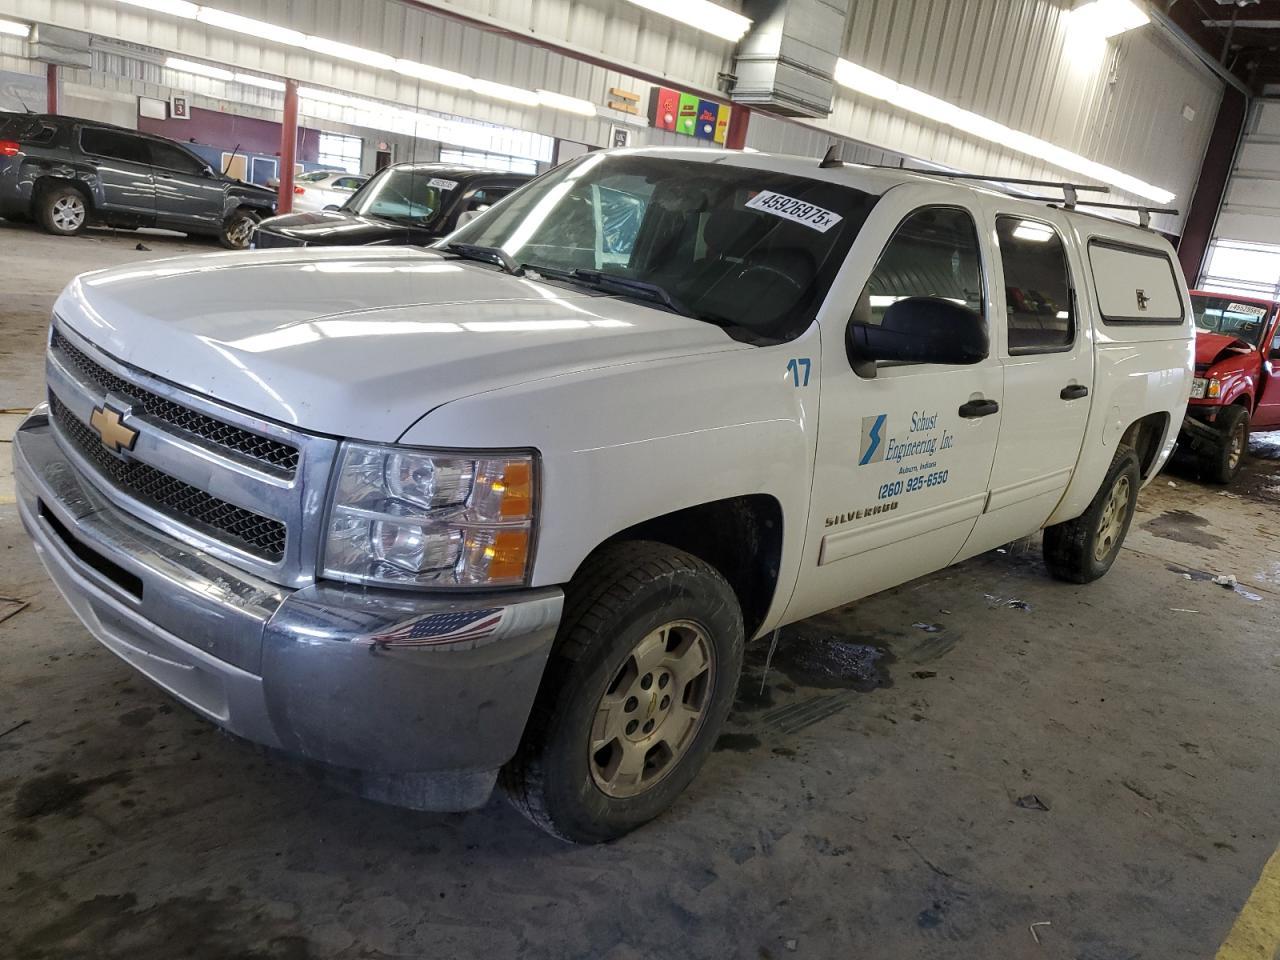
1249 310
442 183
789 208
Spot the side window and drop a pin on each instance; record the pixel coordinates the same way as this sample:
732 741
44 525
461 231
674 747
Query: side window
174 158
346 183
1037 286
117 146
933 253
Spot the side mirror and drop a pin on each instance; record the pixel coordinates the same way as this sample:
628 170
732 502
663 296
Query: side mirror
918 330
208 172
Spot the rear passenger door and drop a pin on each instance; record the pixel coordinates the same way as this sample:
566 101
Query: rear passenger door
1267 413
1047 357
124 171
187 197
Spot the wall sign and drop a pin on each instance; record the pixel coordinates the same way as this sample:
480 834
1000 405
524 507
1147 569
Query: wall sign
178 107
688 114
619 137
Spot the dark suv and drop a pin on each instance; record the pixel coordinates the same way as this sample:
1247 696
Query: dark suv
65 173
406 203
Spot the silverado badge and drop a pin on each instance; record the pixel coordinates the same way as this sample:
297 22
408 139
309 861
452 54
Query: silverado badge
115 435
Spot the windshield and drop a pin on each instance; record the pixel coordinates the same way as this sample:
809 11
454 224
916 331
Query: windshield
1242 319
403 194
745 248
315 177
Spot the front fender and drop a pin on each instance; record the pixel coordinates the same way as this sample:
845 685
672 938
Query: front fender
623 444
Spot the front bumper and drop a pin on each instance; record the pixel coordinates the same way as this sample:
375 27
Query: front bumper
418 699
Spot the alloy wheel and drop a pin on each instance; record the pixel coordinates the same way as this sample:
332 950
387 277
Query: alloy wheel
652 710
68 213
1111 523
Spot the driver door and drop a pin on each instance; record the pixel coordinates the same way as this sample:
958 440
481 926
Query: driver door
903 458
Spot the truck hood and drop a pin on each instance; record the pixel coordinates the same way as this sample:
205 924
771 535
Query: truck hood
361 342
1211 347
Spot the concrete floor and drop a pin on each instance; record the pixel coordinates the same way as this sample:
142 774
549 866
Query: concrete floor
872 820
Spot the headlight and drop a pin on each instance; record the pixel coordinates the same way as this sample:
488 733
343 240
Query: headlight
1214 389
410 517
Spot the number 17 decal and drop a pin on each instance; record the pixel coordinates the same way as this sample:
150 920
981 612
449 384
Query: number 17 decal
793 368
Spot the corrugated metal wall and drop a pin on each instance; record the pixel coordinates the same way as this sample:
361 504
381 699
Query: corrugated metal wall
1009 60
1251 209
389 26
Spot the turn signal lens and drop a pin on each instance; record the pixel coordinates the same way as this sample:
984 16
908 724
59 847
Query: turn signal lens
1214 389
299 190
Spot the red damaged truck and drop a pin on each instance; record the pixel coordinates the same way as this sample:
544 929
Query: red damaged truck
1237 382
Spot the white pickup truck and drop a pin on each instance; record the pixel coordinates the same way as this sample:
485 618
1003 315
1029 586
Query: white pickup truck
515 504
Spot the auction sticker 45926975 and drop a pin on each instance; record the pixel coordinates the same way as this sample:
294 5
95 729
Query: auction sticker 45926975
789 208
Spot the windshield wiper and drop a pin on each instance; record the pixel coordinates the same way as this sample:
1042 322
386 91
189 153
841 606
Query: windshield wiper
476 251
600 280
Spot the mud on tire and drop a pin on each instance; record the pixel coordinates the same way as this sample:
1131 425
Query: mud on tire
625 595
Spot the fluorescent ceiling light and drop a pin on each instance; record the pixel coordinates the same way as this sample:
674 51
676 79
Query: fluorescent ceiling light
1036 232
1107 18
175 8
500 91
870 84
15 29
421 71
255 28
200 69
262 30
702 15
266 83
550 98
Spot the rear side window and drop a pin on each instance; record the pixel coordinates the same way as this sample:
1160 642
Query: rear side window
116 146
1134 284
1037 286
934 253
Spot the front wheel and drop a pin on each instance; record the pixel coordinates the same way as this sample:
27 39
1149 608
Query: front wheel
1083 549
1222 463
238 229
637 688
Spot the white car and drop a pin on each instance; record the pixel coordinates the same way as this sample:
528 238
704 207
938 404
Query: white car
516 503
324 188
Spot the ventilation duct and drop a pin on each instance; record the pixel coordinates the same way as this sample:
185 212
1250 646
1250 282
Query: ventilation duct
787 60
60 46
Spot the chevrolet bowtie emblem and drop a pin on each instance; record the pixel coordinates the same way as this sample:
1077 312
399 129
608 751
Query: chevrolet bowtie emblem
115 435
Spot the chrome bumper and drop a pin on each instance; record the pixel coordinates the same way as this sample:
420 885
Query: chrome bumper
419 699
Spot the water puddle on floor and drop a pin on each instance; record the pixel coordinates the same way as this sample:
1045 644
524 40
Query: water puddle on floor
1183 526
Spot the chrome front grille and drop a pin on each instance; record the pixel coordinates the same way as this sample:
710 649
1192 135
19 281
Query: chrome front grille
271 453
245 490
242 528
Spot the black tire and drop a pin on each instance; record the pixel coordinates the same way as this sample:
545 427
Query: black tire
1221 464
237 229
625 592
1075 550
62 211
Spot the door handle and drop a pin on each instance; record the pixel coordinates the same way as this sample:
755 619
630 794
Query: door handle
978 408
1074 391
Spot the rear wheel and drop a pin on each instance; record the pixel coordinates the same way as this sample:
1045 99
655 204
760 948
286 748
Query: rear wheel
237 229
1222 463
63 211
1083 549
636 691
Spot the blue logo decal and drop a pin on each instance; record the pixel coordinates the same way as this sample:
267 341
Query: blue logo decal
871 450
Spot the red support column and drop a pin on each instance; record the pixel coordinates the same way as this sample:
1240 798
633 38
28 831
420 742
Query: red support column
736 138
52 101
1211 185
288 146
